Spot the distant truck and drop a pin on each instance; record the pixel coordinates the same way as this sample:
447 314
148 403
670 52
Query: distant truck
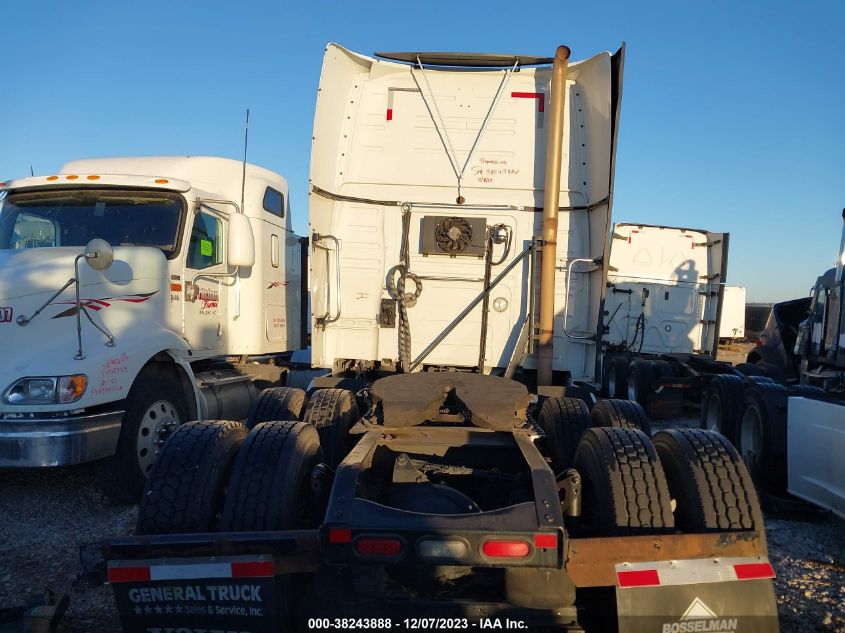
137 294
666 308
788 422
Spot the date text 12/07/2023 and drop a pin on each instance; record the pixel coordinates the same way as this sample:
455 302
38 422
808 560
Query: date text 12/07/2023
416 624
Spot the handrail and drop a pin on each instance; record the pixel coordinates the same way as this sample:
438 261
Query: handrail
569 265
327 317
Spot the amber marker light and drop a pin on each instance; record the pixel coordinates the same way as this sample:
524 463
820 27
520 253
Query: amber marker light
71 388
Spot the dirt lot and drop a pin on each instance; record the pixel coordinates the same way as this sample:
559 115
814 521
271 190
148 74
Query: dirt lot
46 515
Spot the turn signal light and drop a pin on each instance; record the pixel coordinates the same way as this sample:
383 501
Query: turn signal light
370 546
506 549
71 388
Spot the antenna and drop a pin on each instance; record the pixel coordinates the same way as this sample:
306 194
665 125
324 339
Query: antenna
31 171
243 176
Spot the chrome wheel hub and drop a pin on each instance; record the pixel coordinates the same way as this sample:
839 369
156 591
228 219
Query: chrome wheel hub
159 420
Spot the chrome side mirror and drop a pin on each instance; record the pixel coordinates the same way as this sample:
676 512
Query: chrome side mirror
99 254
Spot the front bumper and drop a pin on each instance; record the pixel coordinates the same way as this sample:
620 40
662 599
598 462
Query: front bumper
33 443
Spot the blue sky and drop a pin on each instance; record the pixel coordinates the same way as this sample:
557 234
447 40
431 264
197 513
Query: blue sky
732 116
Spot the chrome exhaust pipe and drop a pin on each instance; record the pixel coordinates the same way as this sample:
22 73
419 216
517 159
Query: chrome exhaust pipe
551 202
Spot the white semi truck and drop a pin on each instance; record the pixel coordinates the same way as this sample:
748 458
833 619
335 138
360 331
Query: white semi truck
137 294
419 491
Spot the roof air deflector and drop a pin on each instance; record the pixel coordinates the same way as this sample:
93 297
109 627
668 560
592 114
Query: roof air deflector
467 60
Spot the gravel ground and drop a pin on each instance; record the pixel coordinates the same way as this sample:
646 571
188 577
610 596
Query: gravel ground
45 515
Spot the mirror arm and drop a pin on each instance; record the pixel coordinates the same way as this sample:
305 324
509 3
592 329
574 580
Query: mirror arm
199 202
24 320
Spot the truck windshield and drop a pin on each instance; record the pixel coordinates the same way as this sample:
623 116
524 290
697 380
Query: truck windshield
41 219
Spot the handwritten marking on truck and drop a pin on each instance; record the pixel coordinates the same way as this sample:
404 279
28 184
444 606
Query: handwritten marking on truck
6 315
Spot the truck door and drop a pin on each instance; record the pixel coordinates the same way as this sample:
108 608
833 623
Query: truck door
205 282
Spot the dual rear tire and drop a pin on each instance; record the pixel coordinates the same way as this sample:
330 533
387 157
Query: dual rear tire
689 480
213 475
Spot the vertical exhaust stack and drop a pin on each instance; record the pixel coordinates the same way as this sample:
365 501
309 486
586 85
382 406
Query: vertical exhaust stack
551 202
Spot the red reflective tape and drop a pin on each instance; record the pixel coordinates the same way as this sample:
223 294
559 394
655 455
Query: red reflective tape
340 536
750 571
545 541
541 98
255 569
390 114
129 574
642 578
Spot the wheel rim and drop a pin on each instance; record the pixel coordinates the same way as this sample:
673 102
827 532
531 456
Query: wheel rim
751 438
713 416
632 387
159 420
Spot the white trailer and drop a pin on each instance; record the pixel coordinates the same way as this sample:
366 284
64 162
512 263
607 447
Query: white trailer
110 344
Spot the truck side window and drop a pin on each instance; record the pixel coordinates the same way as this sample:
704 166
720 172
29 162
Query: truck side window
274 202
205 248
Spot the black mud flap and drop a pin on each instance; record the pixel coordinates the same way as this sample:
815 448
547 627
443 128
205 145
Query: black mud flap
687 597
208 594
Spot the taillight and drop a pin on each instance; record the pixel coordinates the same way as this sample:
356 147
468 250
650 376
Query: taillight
451 549
378 546
505 549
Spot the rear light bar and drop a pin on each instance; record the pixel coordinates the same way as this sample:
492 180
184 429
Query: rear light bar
689 572
444 547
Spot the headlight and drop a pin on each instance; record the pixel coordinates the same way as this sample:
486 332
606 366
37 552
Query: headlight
46 390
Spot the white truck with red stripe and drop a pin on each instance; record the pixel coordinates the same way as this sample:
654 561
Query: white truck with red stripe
420 486
125 284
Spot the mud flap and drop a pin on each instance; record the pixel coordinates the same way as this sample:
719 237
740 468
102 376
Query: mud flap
231 594
696 596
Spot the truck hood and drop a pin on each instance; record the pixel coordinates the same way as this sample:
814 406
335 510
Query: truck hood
35 271
128 300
